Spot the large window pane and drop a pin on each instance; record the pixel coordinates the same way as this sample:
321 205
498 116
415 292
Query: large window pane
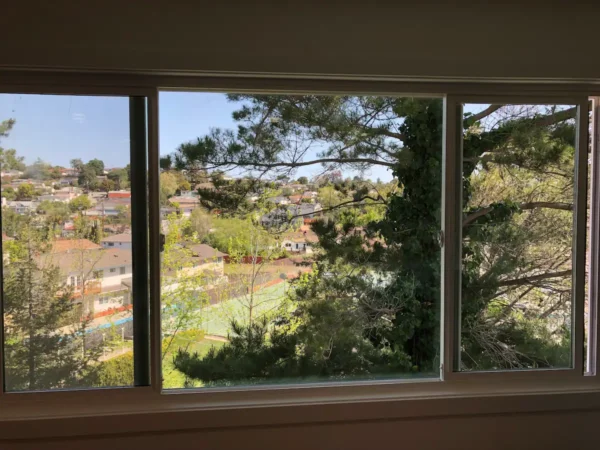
66 242
517 236
302 238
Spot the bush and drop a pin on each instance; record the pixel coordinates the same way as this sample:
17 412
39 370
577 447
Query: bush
116 371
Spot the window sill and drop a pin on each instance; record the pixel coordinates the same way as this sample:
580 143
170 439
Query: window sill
116 411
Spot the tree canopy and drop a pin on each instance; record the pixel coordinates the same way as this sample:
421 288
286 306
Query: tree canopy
371 304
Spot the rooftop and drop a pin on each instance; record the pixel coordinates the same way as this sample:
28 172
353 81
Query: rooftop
123 237
63 245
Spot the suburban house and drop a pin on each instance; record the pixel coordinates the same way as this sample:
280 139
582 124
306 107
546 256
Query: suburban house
100 277
295 199
310 195
299 241
11 173
22 206
58 196
122 240
280 200
195 260
109 207
119 194
65 245
67 180
204 258
291 214
185 204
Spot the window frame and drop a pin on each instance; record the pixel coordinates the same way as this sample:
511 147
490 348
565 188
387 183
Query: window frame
480 392
453 188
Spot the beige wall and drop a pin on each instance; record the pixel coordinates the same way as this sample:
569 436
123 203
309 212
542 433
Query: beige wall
548 39
528 432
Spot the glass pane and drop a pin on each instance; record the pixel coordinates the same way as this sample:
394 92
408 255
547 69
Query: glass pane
66 241
302 238
517 236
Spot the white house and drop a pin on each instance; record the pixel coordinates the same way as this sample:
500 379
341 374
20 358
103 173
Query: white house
22 206
122 240
94 274
299 242
280 200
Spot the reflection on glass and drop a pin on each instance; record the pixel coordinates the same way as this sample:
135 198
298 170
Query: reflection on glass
302 238
518 175
66 242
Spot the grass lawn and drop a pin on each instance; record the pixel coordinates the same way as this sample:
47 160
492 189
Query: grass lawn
216 321
217 318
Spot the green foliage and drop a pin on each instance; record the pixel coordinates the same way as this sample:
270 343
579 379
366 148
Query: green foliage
120 178
116 371
86 228
56 213
200 223
37 301
371 305
107 185
10 161
97 166
25 191
9 193
80 203
87 177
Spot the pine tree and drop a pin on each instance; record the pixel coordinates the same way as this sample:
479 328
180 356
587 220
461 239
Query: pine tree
44 338
375 291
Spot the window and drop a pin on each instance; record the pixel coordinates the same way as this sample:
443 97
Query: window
385 197
391 236
111 244
518 236
65 153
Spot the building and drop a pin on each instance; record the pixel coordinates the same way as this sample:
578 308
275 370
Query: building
11 173
299 241
66 245
109 207
119 194
295 199
22 206
58 196
280 200
310 195
122 240
93 273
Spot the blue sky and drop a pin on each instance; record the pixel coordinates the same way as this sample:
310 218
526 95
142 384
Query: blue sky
58 128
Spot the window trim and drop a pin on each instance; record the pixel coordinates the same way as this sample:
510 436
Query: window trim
453 190
422 397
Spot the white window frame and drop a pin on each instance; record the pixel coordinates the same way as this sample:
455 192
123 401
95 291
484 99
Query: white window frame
452 247
450 393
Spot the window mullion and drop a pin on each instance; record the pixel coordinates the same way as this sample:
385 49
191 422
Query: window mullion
155 243
451 216
139 229
594 250
580 227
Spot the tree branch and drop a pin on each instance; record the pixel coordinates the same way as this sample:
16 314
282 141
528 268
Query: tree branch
533 278
524 206
481 115
293 165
